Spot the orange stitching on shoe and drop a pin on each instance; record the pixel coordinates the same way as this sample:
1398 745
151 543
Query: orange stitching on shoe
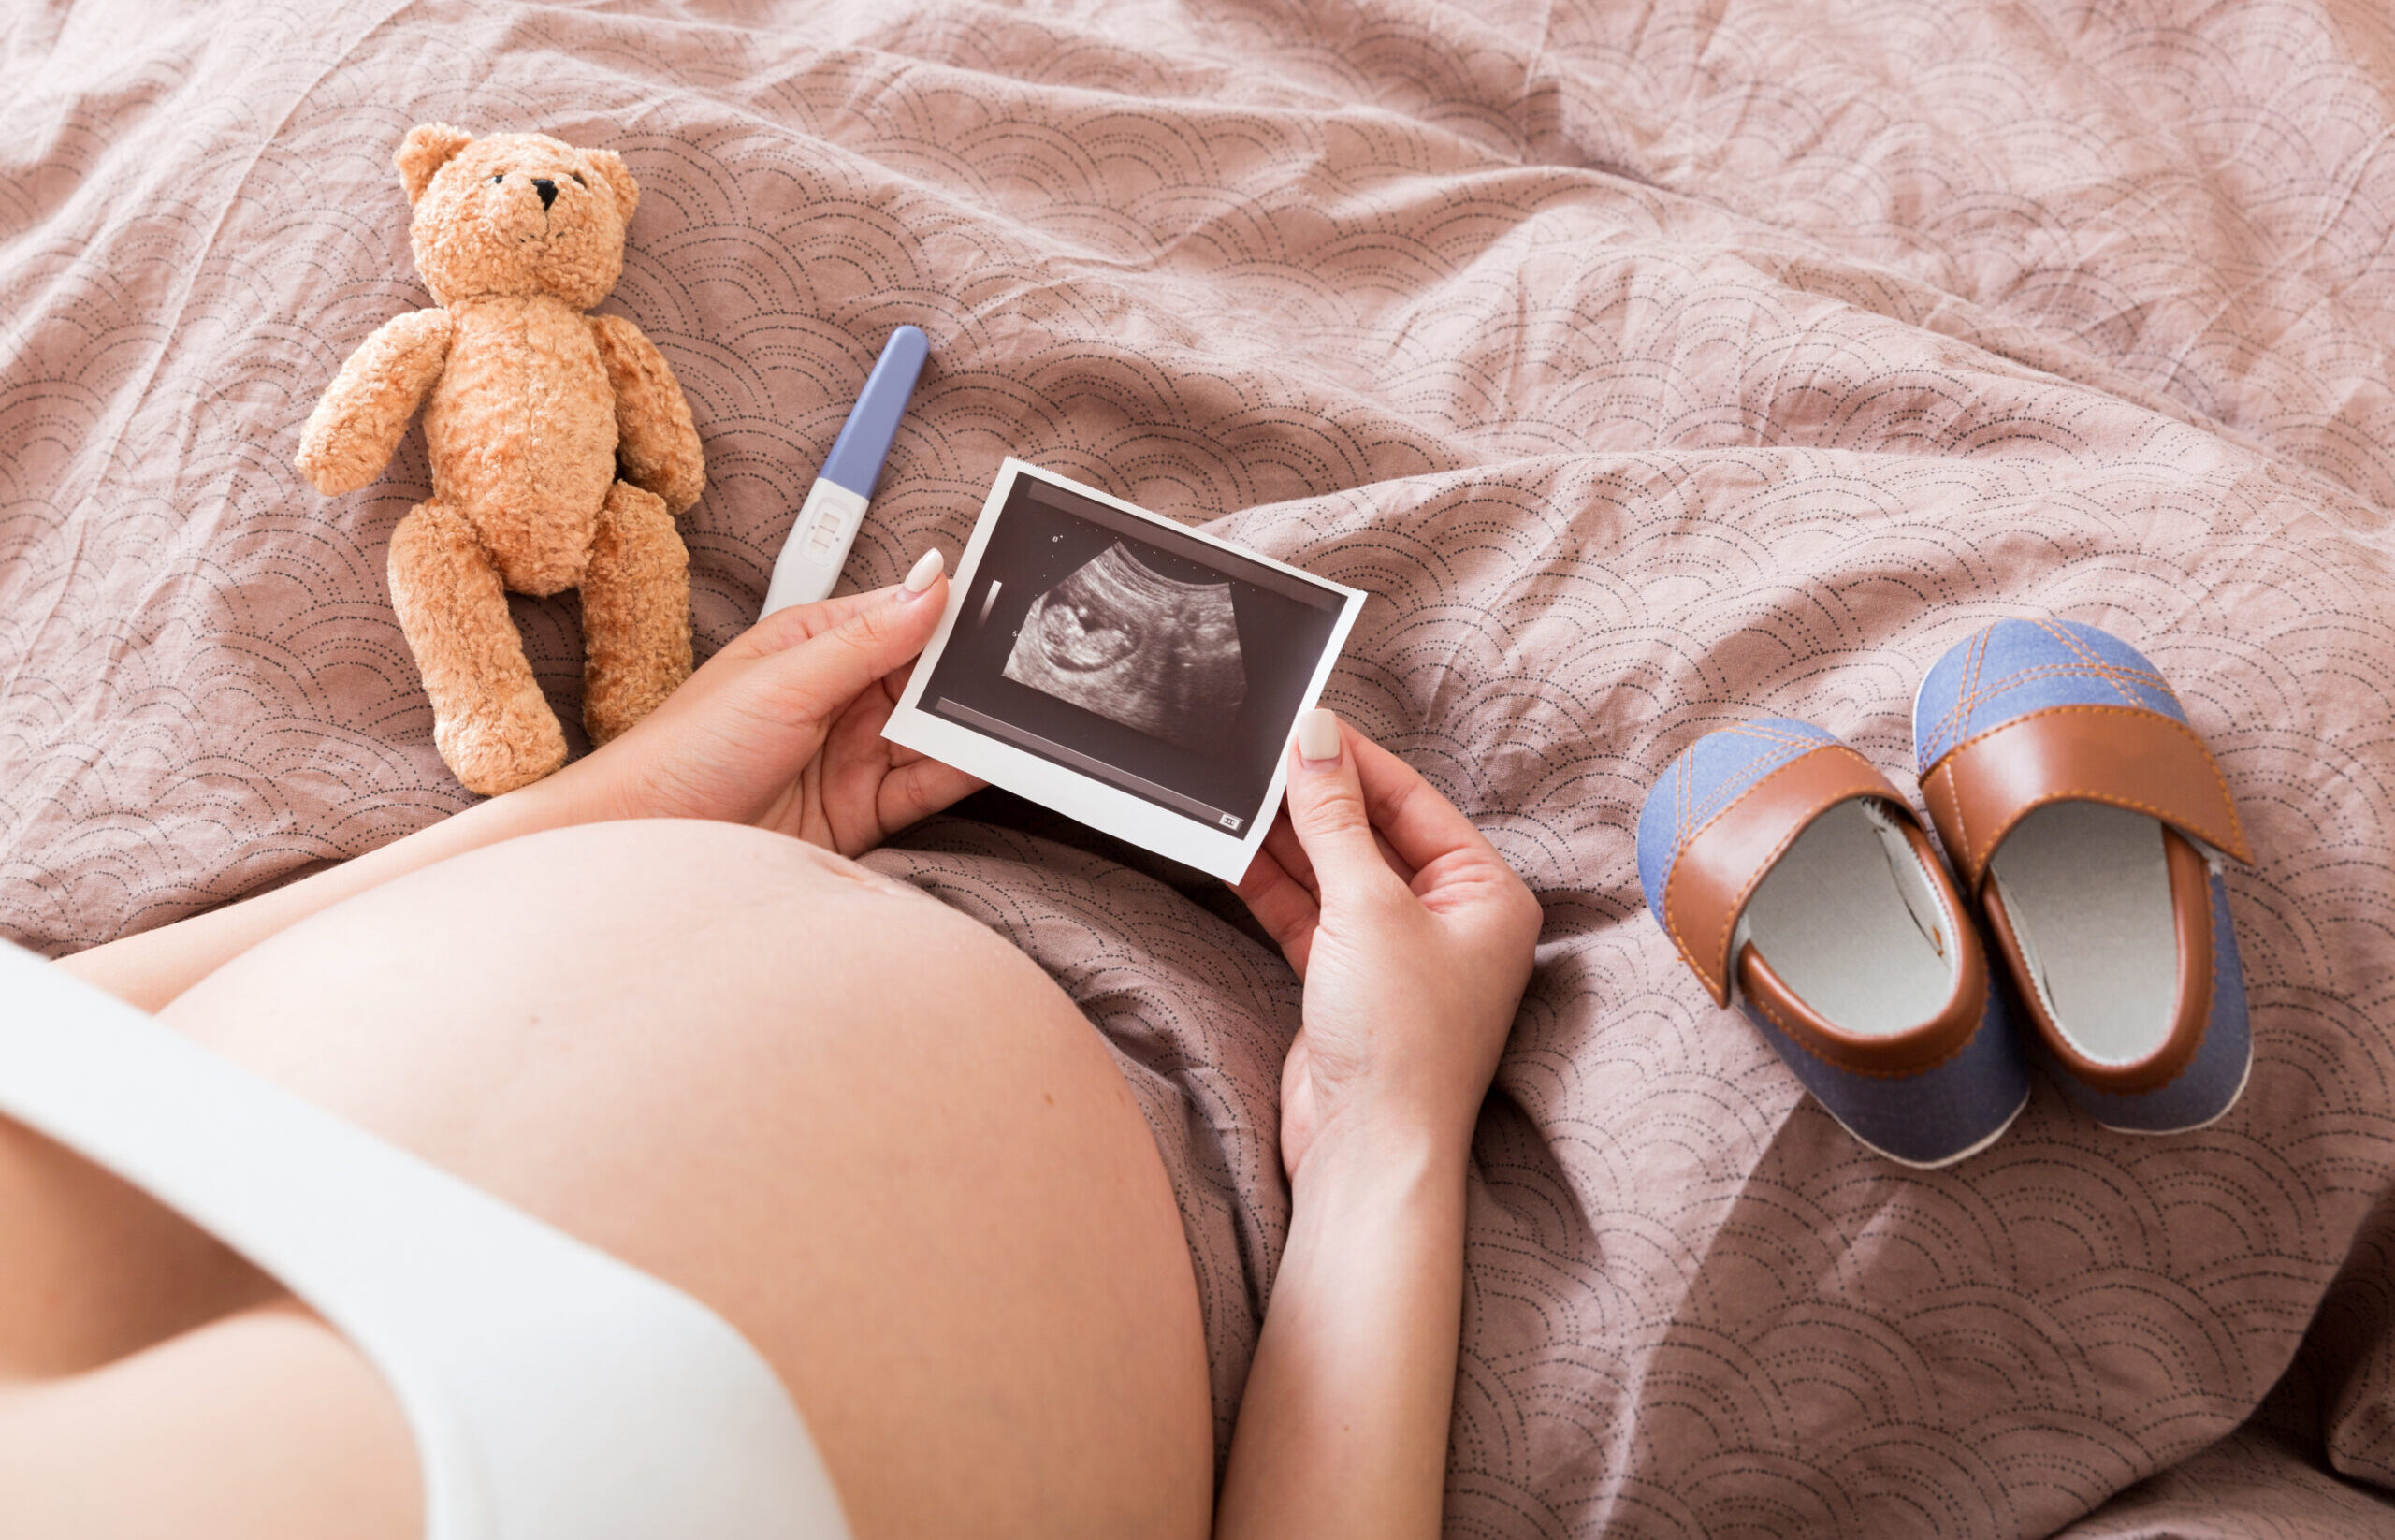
2111 674
2220 779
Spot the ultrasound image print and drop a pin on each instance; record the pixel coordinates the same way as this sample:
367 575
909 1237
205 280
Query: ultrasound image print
1136 649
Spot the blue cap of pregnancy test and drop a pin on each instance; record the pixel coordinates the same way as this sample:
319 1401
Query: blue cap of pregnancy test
857 454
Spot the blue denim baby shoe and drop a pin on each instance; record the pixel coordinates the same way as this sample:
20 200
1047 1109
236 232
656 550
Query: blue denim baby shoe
1778 861
2087 819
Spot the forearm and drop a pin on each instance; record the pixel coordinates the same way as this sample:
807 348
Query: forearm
1343 1430
152 968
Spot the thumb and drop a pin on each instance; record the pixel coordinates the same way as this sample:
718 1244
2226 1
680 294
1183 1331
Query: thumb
816 679
1326 808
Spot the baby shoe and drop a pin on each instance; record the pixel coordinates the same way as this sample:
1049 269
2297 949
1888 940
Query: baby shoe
2087 819
1793 878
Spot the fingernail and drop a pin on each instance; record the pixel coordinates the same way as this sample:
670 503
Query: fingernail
924 572
1318 736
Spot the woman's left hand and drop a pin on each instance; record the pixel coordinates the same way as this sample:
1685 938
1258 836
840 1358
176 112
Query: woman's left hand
782 729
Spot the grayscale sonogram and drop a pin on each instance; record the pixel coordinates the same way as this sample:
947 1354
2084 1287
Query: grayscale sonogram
1136 647
1112 664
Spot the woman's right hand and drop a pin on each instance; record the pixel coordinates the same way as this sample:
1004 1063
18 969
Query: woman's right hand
1413 936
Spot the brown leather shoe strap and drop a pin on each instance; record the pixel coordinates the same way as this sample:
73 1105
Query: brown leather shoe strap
2120 755
1720 866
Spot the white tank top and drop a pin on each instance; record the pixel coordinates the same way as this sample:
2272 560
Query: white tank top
555 1393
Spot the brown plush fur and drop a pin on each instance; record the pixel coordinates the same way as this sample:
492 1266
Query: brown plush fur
536 412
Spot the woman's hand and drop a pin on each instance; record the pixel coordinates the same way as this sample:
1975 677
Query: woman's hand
1413 937
782 729
1415 940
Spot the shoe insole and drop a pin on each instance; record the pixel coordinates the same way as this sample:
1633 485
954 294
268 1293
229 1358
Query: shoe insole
1850 922
2088 889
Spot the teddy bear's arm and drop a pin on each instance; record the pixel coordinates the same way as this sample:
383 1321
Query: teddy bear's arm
656 442
350 436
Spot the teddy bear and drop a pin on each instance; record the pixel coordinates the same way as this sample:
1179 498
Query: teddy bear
561 448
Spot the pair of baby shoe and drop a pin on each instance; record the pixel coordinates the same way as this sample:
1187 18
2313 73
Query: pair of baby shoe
2085 821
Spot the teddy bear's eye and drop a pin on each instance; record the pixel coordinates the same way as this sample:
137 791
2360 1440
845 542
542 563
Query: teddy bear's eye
502 177
578 182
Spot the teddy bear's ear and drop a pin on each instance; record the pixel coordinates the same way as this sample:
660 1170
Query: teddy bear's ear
426 150
619 180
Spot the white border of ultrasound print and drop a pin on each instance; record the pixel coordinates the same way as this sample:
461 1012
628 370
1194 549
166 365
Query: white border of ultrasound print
1106 809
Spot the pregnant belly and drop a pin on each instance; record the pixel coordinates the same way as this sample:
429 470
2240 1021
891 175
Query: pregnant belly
862 1127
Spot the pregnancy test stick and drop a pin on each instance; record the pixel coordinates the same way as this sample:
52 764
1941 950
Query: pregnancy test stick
828 521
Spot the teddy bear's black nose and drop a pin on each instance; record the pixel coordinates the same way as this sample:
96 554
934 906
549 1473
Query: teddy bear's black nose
548 189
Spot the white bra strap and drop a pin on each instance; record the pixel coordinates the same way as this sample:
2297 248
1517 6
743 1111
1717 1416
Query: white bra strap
555 1393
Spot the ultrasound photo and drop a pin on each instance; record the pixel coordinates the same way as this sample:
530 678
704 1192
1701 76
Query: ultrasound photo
1136 647
1118 667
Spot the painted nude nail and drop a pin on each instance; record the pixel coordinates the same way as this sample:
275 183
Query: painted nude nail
925 572
1318 736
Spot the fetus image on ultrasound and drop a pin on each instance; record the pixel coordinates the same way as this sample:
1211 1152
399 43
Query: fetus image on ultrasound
1154 654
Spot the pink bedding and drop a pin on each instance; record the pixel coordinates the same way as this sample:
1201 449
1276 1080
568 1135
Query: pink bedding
1655 364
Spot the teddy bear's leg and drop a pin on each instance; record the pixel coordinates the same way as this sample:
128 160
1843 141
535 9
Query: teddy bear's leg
635 613
488 719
